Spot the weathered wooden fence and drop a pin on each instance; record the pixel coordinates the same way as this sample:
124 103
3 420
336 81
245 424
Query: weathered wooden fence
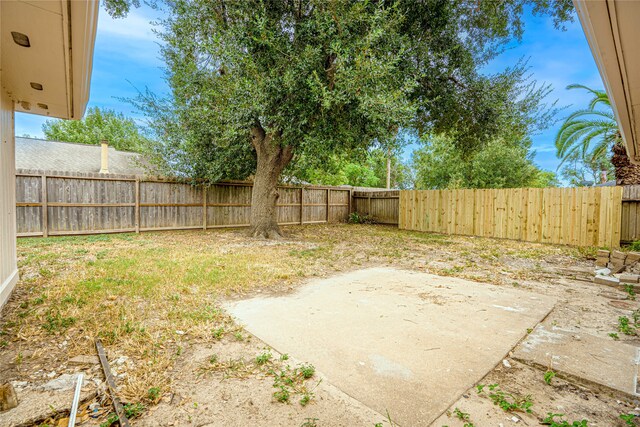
382 206
62 203
572 216
630 213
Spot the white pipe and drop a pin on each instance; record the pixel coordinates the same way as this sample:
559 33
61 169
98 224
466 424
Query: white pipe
76 401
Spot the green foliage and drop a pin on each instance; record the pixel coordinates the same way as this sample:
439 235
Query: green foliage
589 133
153 394
630 292
548 376
614 336
307 371
121 132
325 77
439 165
358 218
463 416
133 410
550 420
507 401
119 8
581 170
624 326
635 246
263 358
629 419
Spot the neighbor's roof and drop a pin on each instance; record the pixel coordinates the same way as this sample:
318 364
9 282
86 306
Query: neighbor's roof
40 154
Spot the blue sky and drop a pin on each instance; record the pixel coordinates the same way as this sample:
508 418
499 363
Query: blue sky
127 57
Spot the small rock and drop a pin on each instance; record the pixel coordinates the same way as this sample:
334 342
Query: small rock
8 397
506 363
628 278
618 255
19 384
603 272
606 280
515 419
121 360
180 332
62 383
633 257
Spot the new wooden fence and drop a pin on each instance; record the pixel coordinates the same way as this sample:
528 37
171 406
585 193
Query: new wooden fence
572 216
382 206
62 203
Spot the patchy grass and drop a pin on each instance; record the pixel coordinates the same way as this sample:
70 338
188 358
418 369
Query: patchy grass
147 295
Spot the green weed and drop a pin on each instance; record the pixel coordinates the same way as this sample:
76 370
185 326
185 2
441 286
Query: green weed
507 401
548 376
624 327
629 419
551 421
630 291
263 358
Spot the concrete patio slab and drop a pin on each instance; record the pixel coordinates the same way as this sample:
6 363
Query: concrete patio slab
584 358
405 342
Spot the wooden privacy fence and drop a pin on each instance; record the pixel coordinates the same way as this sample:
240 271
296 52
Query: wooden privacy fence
630 213
63 203
382 206
572 216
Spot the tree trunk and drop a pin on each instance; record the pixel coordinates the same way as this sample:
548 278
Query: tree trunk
626 172
272 159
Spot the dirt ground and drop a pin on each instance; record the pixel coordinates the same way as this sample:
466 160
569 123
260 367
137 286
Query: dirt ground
154 301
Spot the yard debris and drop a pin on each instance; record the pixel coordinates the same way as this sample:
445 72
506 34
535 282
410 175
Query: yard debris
122 418
62 383
76 401
606 280
8 397
615 267
628 278
84 360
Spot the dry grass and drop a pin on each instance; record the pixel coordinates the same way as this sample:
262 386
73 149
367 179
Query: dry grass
148 295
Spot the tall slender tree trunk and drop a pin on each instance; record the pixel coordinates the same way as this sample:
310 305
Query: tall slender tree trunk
626 172
272 159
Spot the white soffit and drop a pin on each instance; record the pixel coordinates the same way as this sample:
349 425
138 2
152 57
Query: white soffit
612 29
61 36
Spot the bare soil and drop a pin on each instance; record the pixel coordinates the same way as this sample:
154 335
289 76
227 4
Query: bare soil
154 301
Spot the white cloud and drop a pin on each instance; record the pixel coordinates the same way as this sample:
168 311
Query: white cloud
136 25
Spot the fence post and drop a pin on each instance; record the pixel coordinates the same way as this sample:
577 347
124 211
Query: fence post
369 205
136 212
204 207
45 210
301 205
328 197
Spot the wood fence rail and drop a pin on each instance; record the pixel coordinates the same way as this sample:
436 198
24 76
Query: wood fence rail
60 203
572 216
382 206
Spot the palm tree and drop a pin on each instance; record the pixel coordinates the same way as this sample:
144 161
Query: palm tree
591 133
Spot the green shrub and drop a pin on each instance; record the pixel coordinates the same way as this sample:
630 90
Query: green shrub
358 218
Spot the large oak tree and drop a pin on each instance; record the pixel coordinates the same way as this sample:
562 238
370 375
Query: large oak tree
257 83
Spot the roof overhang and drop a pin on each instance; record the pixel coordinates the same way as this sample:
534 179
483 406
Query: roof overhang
61 36
613 32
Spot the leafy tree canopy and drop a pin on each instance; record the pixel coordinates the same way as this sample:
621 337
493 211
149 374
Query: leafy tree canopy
439 165
257 84
97 124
